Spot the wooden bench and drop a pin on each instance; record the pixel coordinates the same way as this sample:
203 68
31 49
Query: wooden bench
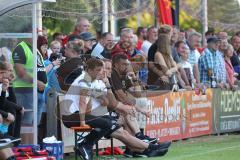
79 136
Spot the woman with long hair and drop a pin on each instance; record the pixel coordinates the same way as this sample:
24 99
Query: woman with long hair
163 60
228 53
154 70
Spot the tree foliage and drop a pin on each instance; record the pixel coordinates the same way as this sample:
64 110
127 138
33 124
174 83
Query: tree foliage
66 14
187 20
222 15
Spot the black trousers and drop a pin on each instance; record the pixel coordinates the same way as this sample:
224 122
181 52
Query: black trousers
102 125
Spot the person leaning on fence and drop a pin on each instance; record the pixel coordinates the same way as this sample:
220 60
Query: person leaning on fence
235 41
163 59
211 65
174 39
193 40
184 52
154 72
231 79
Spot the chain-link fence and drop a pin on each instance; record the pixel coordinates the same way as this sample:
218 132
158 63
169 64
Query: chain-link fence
222 15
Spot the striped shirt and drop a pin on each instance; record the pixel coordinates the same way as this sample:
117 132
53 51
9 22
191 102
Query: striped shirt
214 61
193 56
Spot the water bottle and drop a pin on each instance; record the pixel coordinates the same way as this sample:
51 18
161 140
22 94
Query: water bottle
174 82
204 88
213 81
193 86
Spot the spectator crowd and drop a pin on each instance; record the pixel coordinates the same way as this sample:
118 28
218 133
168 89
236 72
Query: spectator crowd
103 79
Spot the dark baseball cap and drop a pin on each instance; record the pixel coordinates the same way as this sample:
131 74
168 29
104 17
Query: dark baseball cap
86 36
213 40
73 37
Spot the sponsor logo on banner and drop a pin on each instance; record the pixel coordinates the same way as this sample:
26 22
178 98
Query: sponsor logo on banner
180 115
227 111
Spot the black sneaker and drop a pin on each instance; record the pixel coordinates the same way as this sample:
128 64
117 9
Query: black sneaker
128 153
147 139
150 152
162 152
154 150
155 153
164 145
84 152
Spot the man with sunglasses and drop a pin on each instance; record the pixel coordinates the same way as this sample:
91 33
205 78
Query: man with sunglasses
88 40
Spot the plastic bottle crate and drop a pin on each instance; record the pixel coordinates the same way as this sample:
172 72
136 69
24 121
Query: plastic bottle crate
54 149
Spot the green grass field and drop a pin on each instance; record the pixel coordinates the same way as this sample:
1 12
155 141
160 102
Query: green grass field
225 147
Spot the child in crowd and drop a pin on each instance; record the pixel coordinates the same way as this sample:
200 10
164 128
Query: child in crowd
55 47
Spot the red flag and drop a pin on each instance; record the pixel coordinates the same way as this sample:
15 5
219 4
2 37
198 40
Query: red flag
165 12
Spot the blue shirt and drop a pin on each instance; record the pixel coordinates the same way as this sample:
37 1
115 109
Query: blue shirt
52 79
214 61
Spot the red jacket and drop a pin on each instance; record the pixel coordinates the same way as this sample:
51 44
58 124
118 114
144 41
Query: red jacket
118 49
139 44
65 40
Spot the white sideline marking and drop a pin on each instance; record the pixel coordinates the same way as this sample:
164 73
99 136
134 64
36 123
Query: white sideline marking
211 151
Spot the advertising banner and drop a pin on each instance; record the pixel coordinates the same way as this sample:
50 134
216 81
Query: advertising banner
179 115
226 111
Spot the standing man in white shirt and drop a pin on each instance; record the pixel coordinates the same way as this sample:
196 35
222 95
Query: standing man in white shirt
193 42
152 36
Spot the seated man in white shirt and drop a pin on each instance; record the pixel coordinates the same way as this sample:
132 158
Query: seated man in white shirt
87 99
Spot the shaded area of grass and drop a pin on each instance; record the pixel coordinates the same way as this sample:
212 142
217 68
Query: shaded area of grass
207 148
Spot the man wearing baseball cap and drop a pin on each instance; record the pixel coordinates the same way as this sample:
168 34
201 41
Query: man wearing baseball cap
211 64
88 40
